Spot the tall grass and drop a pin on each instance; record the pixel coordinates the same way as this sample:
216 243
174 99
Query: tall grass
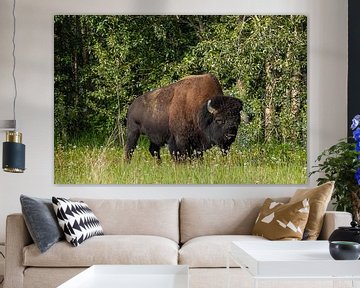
270 164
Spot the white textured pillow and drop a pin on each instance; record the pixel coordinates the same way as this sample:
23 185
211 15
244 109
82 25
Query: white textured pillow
77 220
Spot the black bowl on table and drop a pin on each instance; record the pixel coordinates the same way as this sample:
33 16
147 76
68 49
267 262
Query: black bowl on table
344 250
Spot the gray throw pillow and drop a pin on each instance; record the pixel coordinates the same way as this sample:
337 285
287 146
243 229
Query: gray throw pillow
41 221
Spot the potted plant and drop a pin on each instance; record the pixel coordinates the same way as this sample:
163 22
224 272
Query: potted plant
341 163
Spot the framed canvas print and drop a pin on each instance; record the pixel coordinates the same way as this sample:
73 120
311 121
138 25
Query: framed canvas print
180 99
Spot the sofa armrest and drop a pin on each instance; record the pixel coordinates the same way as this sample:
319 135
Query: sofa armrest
17 237
333 220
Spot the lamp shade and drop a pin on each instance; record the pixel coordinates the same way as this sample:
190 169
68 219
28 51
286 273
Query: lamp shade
13 153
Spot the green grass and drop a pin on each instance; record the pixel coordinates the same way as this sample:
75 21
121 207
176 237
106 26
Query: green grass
270 164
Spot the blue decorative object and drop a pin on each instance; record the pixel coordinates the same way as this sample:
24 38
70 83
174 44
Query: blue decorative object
356 134
355 122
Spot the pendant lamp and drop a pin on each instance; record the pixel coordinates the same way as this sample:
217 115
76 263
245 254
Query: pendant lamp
13 149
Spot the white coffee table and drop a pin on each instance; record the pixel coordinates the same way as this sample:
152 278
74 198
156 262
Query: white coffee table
131 276
296 260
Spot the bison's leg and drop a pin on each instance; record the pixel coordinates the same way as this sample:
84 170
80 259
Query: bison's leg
154 150
131 141
224 149
179 150
174 152
197 153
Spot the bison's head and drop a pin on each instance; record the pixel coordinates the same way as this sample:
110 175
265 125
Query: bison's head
219 120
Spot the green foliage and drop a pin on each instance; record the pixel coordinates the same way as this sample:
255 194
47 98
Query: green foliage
103 62
339 163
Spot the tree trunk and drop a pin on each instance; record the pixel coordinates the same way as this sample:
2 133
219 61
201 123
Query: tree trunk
293 94
269 106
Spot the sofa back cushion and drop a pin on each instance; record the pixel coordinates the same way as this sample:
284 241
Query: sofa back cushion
159 217
200 217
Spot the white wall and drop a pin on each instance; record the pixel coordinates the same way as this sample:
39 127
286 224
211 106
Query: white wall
327 58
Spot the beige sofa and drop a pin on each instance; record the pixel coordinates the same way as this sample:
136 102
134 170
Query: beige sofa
194 232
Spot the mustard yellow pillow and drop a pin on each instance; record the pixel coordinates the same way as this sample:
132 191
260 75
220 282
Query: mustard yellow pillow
279 221
319 198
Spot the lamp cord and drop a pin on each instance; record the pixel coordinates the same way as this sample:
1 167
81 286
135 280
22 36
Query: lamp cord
14 60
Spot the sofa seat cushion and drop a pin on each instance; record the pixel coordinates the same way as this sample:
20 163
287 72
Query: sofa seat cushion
107 249
211 251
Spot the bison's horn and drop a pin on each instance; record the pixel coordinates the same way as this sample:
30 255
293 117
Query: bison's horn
209 108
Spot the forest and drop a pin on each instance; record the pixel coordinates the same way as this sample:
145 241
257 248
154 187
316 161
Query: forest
102 63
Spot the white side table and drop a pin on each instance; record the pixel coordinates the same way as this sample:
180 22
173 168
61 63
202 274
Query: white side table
131 276
286 261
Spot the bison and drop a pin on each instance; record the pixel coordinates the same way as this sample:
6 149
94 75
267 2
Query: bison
190 115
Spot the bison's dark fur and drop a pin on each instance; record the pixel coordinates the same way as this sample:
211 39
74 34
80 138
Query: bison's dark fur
191 116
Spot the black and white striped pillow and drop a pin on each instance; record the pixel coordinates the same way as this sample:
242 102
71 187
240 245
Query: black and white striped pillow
77 220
